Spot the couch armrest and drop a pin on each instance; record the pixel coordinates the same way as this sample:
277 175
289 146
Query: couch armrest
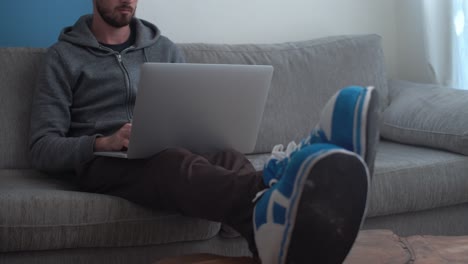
427 115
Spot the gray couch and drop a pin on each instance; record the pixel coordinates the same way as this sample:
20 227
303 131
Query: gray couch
415 189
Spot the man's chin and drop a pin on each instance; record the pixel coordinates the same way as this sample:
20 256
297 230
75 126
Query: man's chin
120 23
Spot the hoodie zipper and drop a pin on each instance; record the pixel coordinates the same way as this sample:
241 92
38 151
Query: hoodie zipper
127 85
126 77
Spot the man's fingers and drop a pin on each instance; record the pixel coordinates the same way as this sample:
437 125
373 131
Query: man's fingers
127 126
126 130
125 134
125 143
121 138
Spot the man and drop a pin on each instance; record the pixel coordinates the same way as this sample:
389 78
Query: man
308 203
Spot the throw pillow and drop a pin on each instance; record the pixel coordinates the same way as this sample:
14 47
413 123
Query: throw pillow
427 115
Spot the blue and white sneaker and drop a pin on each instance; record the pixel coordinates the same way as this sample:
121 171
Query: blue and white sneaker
349 120
314 212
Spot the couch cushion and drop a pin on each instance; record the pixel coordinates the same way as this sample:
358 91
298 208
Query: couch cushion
41 213
427 115
306 75
17 78
408 178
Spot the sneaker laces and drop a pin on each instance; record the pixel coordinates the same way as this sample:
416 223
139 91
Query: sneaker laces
278 153
292 147
278 159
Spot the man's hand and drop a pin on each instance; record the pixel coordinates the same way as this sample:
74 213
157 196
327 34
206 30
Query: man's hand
116 142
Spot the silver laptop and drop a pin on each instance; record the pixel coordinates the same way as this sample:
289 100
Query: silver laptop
200 107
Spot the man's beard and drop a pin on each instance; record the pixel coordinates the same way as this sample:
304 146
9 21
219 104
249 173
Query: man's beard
116 19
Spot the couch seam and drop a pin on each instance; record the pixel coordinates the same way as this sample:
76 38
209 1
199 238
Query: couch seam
269 51
94 223
421 130
434 164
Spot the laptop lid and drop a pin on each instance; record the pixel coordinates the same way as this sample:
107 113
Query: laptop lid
200 107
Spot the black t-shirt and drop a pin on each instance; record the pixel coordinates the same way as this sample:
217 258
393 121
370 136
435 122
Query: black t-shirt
120 47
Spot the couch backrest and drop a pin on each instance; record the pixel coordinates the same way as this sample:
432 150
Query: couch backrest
18 70
306 75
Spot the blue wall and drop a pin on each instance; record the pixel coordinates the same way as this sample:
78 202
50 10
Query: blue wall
37 23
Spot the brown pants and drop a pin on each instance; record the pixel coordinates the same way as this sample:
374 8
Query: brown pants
217 187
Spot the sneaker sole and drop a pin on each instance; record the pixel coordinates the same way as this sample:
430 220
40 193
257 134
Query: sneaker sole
330 210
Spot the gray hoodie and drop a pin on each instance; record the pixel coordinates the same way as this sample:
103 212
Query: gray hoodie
86 90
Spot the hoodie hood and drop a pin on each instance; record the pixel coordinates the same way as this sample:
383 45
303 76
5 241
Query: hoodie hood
80 34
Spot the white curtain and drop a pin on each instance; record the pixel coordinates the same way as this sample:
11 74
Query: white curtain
438 40
446 41
460 43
